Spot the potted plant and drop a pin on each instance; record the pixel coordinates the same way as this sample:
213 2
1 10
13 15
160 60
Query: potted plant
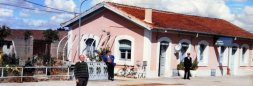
180 68
194 67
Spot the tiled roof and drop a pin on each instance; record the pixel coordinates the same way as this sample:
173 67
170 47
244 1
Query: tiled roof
182 22
37 34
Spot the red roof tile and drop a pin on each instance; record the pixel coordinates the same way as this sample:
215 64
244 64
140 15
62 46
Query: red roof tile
37 34
171 20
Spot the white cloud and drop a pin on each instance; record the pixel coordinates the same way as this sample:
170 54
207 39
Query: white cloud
245 20
206 8
23 14
6 12
238 0
249 10
57 19
35 23
67 5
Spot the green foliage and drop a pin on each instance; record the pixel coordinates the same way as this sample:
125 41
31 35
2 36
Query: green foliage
195 64
4 32
180 66
14 71
46 59
9 60
50 35
27 34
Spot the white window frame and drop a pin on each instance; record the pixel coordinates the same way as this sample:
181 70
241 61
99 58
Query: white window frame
205 60
126 52
116 50
251 58
225 56
167 57
188 50
246 58
235 59
83 44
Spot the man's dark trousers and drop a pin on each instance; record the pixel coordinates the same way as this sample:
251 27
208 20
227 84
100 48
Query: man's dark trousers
82 81
187 73
110 70
187 67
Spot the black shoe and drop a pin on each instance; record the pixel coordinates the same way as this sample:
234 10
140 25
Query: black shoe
112 79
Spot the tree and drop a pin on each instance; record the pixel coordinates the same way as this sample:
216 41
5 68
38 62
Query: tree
50 36
4 32
27 35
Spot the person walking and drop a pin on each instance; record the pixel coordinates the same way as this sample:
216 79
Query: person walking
187 66
81 72
109 60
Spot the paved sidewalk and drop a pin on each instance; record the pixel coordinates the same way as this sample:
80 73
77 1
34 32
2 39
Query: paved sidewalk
197 81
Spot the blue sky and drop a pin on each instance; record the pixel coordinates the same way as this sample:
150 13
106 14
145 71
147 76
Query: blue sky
237 6
239 12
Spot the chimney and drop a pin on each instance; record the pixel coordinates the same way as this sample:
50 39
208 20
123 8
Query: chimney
148 15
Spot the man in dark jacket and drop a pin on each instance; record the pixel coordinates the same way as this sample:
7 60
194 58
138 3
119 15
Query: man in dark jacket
109 60
81 72
187 66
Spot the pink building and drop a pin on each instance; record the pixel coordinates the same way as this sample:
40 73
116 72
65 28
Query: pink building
162 39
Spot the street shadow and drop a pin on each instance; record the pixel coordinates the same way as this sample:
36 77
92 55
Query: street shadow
217 58
154 84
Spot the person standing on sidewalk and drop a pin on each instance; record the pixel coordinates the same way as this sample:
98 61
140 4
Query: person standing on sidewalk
109 60
187 66
81 72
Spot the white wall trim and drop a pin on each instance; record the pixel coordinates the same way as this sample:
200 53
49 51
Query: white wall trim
206 53
147 47
246 59
87 36
168 71
251 58
235 60
117 52
70 45
225 56
188 50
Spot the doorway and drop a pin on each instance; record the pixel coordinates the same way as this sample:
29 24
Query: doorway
162 57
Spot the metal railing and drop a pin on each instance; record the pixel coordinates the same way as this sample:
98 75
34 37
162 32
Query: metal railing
97 71
39 72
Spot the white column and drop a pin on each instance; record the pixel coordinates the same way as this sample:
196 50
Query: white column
147 51
69 46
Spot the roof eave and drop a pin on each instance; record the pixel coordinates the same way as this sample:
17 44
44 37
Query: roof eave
129 17
111 8
203 33
67 23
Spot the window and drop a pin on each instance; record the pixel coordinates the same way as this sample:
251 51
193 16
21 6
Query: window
234 49
244 50
203 53
183 50
244 55
222 51
125 49
202 48
90 47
